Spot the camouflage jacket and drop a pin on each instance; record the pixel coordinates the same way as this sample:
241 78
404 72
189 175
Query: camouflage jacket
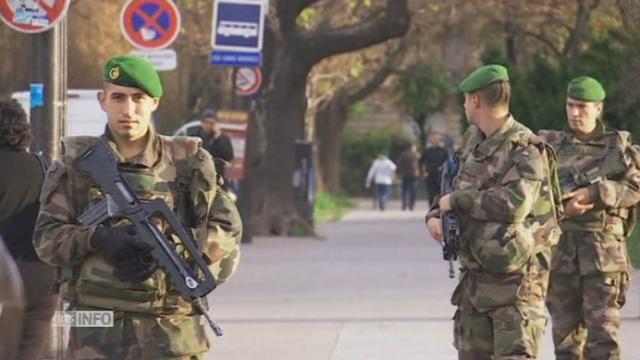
611 165
496 186
61 241
496 190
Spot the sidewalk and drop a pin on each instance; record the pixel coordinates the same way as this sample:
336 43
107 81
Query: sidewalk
374 287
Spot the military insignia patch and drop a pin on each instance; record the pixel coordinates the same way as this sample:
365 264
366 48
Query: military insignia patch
114 73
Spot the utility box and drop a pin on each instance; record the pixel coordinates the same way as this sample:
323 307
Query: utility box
304 179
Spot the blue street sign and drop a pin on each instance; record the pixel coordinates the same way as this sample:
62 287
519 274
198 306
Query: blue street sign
236 59
237 25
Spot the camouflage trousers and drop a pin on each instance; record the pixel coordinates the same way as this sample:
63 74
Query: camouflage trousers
585 312
505 333
139 337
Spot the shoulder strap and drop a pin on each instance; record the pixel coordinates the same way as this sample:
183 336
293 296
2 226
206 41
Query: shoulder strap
183 148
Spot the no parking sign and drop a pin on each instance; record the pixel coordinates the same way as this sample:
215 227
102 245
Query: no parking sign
33 16
247 80
150 24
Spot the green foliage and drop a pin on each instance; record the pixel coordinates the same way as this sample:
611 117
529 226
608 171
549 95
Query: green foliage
539 93
308 17
358 109
360 149
331 207
633 244
424 87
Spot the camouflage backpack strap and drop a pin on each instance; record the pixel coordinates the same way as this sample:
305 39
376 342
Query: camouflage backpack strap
183 149
547 211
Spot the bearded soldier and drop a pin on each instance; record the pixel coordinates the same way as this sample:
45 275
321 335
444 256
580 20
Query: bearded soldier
590 268
104 267
499 196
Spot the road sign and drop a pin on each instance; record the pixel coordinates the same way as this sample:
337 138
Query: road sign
150 24
33 16
247 80
237 25
237 59
235 124
162 60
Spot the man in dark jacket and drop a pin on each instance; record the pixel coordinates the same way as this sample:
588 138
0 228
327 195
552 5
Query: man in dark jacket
432 159
408 169
215 142
19 192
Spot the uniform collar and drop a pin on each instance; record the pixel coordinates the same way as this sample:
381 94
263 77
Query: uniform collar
597 136
489 145
147 158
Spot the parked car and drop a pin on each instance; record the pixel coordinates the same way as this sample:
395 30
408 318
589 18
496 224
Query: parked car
187 128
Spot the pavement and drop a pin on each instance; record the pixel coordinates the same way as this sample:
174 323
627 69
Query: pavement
372 286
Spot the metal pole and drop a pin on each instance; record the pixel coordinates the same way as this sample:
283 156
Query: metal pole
49 68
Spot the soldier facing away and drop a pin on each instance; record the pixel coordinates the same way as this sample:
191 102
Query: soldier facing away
496 195
590 267
104 267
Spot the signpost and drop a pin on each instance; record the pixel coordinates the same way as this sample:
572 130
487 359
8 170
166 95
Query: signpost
235 124
237 31
150 24
247 81
33 16
162 60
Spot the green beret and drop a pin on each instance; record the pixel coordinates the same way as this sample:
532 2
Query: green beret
133 71
586 88
483 76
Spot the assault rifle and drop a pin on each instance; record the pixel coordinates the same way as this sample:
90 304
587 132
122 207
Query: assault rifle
189 274
450 224
572 178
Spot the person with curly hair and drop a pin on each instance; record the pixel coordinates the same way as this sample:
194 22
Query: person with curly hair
19 193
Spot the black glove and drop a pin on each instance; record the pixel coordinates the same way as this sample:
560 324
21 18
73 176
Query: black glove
118 243
135 269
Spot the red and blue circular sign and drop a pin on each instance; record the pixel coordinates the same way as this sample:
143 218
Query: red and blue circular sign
150 24
33 16
247 80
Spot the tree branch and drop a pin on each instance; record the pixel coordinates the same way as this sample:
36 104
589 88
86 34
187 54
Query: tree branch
580 28
318 45
361 90
630 12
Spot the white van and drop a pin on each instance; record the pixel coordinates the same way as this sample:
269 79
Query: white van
85 117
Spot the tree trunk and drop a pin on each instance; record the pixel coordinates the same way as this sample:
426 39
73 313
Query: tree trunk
272 152
331 119
273 201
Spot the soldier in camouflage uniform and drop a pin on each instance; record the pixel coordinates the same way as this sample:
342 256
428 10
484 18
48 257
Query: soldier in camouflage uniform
102 267
590 268
497 198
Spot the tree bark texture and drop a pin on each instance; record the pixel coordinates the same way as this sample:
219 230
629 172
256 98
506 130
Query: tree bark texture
297 51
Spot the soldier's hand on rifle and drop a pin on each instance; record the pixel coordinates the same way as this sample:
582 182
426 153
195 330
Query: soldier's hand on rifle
579 202
434 225
445 203
118 243
136 269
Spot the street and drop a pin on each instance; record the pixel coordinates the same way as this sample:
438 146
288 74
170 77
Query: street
372 287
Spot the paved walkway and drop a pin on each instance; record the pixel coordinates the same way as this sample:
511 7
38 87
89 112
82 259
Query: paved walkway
373 287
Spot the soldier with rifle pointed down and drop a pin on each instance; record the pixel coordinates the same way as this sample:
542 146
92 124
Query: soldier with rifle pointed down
138 226
600 179
506 220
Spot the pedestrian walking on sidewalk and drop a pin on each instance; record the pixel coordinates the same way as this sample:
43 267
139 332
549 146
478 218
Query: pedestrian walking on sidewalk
381 173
